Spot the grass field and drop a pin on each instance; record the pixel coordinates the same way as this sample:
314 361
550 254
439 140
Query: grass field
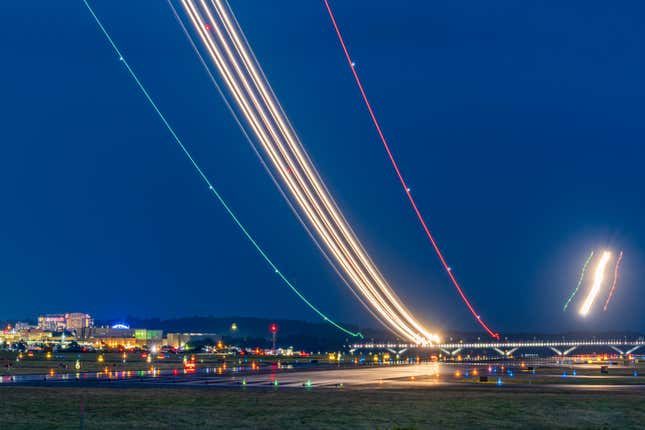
443 407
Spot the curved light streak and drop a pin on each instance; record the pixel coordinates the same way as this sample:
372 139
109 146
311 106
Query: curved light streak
203 176
261 133
615 281
278 115
599 276
582 275
405 186
273 178
226 46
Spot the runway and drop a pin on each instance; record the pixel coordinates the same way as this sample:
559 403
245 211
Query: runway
424 375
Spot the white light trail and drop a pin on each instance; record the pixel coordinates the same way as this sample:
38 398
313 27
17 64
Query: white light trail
267 168
304 162
203 176
227 47
599 276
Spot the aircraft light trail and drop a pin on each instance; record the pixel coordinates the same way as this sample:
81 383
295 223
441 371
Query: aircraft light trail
582 275
599 277
203 176
224 43
405 186
615 281
258 154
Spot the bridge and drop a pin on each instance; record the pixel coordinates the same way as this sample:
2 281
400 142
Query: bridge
507 348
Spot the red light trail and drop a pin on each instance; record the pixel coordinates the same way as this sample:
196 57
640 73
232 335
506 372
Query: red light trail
615 281
402 180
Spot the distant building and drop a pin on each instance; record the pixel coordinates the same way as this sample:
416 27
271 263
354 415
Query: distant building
35 335
52 322
79 323
20 325
76 322
179 340
146 334
120 335
115 342
116 332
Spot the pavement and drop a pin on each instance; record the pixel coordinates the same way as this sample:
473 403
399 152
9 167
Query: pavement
351 377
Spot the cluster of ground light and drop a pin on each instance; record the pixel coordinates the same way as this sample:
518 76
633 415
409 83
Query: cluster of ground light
48 366
603 372
134 363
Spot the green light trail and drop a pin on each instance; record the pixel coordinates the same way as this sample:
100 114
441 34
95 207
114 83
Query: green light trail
582 276
207 181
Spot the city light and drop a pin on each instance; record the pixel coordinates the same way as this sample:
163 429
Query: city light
599 276
121 326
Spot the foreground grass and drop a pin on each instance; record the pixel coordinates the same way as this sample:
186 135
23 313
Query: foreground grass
179 408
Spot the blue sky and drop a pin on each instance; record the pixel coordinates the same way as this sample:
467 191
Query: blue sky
518 126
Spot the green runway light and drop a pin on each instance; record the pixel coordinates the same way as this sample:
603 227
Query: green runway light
207 181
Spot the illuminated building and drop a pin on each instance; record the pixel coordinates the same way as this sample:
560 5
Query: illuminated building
179 340
74 322
20 325
80 323
52 322
116 332
121 326
119 335
145 334
29 336
116 342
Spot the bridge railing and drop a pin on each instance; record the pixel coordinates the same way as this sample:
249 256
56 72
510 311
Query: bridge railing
506 344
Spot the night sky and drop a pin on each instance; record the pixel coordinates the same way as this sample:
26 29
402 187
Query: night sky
518 125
